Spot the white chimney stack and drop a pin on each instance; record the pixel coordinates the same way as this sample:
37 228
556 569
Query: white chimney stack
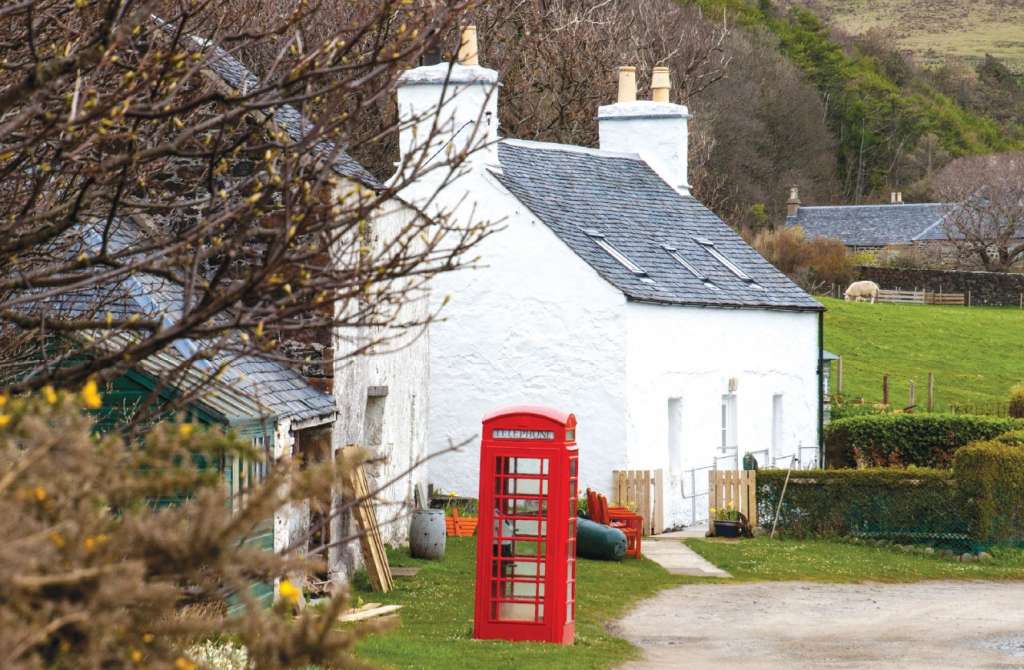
449 109
656 129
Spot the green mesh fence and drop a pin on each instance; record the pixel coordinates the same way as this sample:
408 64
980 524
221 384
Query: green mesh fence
913 506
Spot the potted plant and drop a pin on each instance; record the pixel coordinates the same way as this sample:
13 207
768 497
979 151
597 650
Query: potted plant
728 521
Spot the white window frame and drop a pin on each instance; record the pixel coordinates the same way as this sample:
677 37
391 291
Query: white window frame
623 260
709 246
729 422
677 257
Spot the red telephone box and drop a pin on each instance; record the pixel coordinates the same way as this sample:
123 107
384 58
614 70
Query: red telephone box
526 536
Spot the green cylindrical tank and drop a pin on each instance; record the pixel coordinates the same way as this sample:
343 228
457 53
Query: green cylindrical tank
599 542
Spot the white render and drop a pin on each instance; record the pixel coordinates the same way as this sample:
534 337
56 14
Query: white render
533 323
658 131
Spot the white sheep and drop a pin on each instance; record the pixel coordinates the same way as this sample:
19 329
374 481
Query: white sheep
861 290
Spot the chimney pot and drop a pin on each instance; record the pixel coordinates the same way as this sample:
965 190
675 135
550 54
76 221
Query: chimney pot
661 84
793 204
468 52
627 84
899 197
892 197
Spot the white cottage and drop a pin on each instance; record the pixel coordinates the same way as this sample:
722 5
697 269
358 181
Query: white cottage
611 292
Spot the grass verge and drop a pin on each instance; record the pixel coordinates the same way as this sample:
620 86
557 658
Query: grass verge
437 617
761 559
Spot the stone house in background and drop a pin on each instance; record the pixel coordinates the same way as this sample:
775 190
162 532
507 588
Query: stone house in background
608 291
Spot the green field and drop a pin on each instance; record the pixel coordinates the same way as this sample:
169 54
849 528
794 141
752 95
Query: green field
976 353
966 29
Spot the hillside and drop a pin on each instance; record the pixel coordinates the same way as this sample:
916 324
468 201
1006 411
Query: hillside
976 353
889 121
935 31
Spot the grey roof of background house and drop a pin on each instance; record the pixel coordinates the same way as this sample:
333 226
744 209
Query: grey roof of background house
873 225
575 190
272 384
237 76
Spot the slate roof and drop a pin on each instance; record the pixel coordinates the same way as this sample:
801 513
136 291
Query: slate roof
585 193
273 385
237 76
873 225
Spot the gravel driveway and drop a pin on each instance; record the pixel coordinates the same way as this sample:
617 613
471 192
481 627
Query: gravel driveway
927 625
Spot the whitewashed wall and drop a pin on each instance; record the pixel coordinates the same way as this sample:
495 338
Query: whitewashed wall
401 364
534 325
690 353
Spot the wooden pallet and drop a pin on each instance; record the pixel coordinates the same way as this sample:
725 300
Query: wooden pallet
640 491
374 555
738 487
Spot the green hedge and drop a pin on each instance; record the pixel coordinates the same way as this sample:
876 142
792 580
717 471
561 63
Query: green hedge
991 479
916 504
924 440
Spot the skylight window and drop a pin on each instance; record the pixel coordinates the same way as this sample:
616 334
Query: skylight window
674 253
709 246
599 239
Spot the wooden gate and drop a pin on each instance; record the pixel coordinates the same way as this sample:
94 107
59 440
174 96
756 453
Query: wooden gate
641 491
738 487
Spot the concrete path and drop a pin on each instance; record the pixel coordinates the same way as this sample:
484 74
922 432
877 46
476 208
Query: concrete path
796 625
669 551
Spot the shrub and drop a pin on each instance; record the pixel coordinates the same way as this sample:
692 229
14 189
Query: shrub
925 440
97 576
811 263
844 410
1015 438
991 477
1016 407
908 504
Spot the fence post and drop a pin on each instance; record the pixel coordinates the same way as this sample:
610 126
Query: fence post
931 391
885 389
968 298
912 395
839 376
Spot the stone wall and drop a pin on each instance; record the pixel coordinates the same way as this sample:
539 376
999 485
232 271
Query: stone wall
985 288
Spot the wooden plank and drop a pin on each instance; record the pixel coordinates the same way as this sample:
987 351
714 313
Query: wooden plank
364 613
374 554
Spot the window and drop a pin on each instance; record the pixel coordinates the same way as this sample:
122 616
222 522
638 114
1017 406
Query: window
729 422
674 253
709 246
776 424
600 240
675 435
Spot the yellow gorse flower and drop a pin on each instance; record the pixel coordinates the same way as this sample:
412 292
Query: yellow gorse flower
183 663
40 493
136 655
3 399
50 394
289 591
185 430
91 397
4 419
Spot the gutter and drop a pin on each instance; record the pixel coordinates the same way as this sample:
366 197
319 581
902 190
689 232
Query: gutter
821 389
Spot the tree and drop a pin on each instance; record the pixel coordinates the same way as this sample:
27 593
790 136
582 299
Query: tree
241 184
984 217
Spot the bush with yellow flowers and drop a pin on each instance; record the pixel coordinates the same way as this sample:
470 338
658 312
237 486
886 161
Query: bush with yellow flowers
96 574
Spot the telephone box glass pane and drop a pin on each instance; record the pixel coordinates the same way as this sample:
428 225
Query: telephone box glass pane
520 548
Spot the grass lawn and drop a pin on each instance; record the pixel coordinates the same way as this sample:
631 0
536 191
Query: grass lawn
976 353
761 559
437 618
